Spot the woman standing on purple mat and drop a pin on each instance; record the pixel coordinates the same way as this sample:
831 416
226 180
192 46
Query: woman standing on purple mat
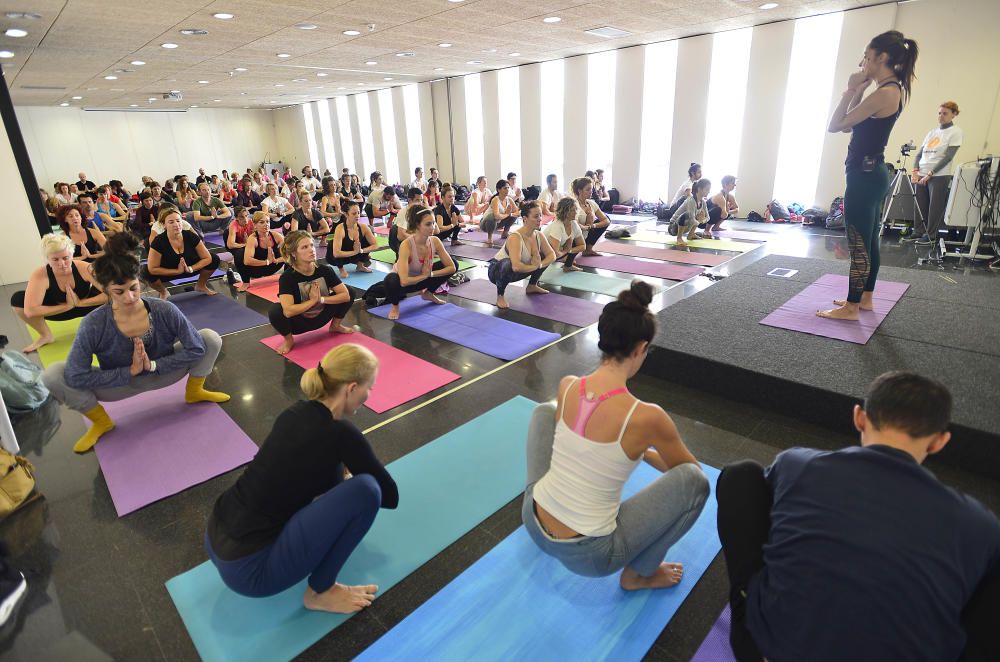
423 265
889 63
526 254
291 515
581 453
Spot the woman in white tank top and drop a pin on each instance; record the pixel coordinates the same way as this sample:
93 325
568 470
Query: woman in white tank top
582 451
525 254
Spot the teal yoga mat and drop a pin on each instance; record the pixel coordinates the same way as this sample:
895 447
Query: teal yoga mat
439 503
588 282
516 603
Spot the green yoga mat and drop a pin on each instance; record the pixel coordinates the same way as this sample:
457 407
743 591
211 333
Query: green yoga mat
446 488
64 333
388 257
588 282
717 244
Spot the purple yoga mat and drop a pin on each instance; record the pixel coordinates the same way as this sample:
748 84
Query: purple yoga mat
640 267
193 278
715 647
219 313
213 238
799 312
161 446
553 306
473 252
668 254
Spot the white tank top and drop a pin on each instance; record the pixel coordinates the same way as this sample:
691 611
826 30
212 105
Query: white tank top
583 487
502 254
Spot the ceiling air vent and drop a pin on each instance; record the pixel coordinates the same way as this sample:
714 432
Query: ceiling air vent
608 32
41 87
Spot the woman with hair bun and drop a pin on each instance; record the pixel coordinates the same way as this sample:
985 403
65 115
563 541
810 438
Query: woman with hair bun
142 344
423 265
581 453
889 63
291 515
64 289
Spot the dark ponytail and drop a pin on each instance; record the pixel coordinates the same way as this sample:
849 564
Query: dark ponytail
119 264
693 168
902 57
626 322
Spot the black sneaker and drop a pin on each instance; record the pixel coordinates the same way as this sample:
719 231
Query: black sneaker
12 591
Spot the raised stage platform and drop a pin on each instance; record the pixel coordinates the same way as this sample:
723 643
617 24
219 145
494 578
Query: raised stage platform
713 341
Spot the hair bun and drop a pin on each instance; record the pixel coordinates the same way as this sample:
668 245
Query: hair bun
121 243
639 295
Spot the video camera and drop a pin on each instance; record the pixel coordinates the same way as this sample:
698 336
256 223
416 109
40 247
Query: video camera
905 150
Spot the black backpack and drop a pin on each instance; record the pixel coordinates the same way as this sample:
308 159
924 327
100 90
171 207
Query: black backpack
374 295
615 196
532 192
461 193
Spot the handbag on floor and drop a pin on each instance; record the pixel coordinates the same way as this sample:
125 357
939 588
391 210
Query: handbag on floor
17 481
21 383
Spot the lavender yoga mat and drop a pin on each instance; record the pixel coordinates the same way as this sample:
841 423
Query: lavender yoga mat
628 265
219 313
218 273
489 335
483 253
553 306
213 238
715 647
669 254
161 446
799 312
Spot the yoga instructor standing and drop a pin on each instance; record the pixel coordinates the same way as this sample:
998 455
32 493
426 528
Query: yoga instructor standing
889 62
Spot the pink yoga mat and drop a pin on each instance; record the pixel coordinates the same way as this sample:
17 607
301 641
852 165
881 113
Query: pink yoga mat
382 230
265 288
401 376
799 312
640 267
668 254
161 446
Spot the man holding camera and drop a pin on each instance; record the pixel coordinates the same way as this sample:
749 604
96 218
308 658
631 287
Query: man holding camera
932 174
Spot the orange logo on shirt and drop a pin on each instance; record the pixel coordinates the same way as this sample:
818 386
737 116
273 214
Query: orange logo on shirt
935 141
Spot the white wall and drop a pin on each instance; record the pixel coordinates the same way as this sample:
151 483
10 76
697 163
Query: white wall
126 145
19 252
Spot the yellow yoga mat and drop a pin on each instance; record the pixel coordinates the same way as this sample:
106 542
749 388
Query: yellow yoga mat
64 333
717 244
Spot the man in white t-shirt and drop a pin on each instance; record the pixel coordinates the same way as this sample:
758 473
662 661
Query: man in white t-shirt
310 182
932 174
513 190
550 197
418 180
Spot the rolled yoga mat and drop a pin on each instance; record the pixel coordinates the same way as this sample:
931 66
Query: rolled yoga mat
668 254
553 306
799 312
640 267
401 376
219 313
490 335
517 603
715 647
438 505
63 332
587 282
161 446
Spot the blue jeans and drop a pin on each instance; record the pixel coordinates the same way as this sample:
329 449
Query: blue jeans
501 273
648 524
315 543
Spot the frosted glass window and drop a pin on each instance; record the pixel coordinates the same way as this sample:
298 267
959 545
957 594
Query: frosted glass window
553 75
367 141
326 132
346 142
601 69
414 139
803 124
388 122
727 95
509 94
474 126
307 117
659 78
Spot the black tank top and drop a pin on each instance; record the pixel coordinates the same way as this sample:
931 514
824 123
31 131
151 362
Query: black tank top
347 244
91 244
263 252
312 224
56 297
869 137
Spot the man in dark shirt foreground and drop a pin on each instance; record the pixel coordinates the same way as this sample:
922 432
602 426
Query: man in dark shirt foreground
862 554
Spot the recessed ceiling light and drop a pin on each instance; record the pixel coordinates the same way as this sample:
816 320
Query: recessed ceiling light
117 89
438 68
203 82
23 14
456 0
387 78
307 26
133 105
16 32
6 54
137 63
168 45
318 87
371 62
193 31
322 73
175 91
151 99
243 93
279 84
551 19
77 98
111 78
341 88
360 83
405 54
217 100
444 45
351 33
768 5
194 106
298 80
489 50
284 55
240 69
245 107
64 104
513 55
223 16
473 62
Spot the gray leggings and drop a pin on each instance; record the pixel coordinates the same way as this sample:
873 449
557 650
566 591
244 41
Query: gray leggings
84 401
648 524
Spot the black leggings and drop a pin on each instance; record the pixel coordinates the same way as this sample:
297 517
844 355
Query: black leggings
862 202
17 301
594 234
450 234
152 280
395 292
249 273
359 259
302 324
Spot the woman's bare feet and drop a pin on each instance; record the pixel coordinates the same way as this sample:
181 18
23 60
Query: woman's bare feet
849 312
866 301
534 289
427 295
343 272
340 598
362 268
336 326
572 267
204 289
286 346
40 342
164 294
394 312
667 575
590 252
502 302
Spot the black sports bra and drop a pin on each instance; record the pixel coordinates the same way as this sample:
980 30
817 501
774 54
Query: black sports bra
56 297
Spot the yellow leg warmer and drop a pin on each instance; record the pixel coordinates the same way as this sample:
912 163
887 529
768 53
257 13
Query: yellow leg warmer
101 424
195 392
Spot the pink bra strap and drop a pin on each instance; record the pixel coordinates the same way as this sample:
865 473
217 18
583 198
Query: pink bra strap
587 406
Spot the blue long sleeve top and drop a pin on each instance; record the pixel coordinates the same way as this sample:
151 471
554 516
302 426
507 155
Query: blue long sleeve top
98 334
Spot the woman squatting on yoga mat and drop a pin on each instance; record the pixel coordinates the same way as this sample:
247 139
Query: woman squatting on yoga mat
589 216
889 62
64 289
692 211
142 344
525 254
578 463
423 265
309 294
261 253
176 253
564 234
351 242
291 514
501 212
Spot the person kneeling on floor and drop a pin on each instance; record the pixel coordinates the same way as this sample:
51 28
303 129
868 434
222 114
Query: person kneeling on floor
291 515
141 343
581 453
861 553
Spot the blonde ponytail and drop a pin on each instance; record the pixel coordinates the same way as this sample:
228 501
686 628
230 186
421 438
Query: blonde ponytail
342 365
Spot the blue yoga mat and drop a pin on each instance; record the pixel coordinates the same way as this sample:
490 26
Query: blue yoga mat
484 333
219 312
439 503
362 281
516 603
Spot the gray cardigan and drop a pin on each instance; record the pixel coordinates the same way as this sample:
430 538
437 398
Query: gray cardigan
98 334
